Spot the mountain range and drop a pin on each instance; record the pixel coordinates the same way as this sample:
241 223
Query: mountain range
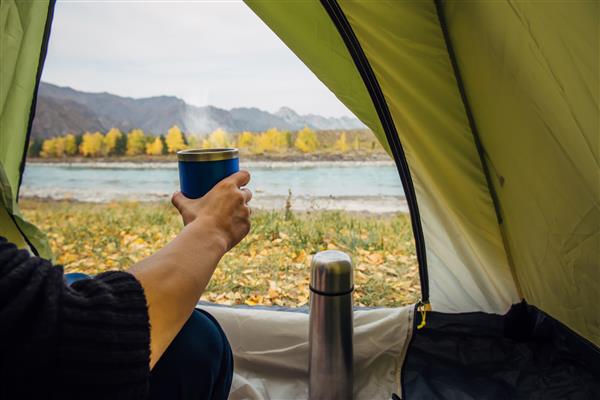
63 109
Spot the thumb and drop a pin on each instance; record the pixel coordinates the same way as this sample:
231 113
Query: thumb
179 201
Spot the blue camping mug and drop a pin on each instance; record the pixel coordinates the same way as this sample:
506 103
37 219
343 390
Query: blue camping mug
200 170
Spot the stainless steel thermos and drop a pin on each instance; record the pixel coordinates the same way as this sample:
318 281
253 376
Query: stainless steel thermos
330 327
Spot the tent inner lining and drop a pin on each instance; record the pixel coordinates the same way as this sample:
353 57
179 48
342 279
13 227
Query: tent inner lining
476 139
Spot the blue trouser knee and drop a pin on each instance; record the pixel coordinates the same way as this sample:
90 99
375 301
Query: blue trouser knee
198 364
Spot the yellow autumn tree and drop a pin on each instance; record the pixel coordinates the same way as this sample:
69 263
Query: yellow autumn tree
59 146
136 143
174 140
70 144
48 148
245 140
356 143
110 140
217 139
340 145
193 142
92 144
272 141
155 147
307 141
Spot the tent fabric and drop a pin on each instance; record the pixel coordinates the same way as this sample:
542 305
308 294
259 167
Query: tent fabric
521 355
467 263
271 365
24 32
531 74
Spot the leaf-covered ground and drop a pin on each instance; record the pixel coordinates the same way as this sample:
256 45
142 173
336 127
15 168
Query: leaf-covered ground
270 266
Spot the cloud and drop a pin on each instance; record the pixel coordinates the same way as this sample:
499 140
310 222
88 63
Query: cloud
217 53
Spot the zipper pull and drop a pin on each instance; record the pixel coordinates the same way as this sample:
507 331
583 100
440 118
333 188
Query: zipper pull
423 307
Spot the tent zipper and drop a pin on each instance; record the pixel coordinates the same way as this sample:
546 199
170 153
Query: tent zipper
366 72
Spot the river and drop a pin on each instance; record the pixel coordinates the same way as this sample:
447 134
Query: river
352 186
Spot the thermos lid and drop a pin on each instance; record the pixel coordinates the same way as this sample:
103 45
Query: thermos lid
207 154
331 273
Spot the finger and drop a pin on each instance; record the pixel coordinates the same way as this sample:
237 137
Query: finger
247 194
240 178
178 200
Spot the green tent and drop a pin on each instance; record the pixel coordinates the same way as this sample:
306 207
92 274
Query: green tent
490 110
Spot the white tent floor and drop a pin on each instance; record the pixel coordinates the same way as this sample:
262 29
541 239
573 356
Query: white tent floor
270 349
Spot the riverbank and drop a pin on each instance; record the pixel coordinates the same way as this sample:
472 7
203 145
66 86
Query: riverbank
172 164
270 267
377 155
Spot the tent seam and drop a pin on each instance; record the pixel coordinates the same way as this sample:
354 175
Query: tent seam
477 140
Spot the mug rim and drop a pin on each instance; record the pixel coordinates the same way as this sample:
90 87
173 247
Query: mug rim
208 154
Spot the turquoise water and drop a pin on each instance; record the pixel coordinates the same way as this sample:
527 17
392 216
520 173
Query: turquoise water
354 186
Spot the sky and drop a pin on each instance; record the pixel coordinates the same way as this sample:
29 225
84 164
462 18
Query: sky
205 52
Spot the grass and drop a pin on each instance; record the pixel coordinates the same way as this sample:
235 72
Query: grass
270 266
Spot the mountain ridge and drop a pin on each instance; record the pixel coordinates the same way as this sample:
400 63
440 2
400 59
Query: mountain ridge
64 109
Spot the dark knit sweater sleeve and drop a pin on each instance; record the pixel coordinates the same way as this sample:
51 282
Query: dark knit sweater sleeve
87 341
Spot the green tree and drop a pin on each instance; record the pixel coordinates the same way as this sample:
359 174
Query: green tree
35 147
78 140
121 145
307 141
164 145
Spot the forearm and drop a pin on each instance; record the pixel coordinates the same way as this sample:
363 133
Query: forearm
174 278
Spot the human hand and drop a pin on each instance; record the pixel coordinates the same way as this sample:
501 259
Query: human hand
223 210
